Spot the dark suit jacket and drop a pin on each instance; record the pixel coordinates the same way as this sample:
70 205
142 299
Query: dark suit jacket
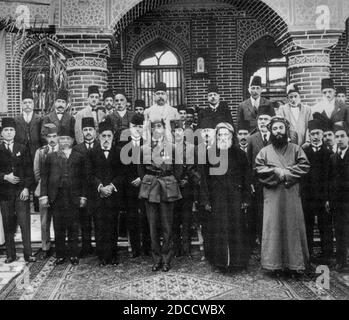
104 171
66 125
82 149
255 144
35 140
339 179
52 174
222 114
19 163
247 112
119 123
315 183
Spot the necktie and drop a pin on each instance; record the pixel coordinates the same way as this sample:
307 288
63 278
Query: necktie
340 152
106 153
8 147
265 140
330 148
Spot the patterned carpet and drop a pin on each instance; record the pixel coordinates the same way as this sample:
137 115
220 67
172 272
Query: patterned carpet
188 279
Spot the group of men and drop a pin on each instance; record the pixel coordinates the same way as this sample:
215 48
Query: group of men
260 183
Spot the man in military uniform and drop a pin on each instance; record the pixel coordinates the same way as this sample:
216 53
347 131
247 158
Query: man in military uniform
160 190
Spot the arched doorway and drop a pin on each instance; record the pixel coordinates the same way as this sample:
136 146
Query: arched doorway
264 58
158 62
44 73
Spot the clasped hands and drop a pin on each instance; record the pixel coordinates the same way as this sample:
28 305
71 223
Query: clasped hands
281 174
106 191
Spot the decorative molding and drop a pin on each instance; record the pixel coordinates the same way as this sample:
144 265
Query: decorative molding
82 63
83 13
298 61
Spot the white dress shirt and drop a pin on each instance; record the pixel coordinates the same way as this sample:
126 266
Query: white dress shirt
256 102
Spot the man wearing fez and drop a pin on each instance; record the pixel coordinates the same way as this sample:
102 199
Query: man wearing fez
217 110
297 114
255 143
86 213
280 167
108 105
161 108
185 155
190 119
50 132
139 106
64 189
60 116
225 196
341 94
248 109
137 224
16 177
330 107
339 200
106 172
121 117
160 175
182 110
90 111
315 191
28 125
243 135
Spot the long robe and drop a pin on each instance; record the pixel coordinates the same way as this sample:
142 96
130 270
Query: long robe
227 239
2 234
284 241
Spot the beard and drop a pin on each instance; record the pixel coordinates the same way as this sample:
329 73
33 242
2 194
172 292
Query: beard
279 140
224 144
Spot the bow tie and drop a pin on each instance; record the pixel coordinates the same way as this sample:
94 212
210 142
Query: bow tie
106 150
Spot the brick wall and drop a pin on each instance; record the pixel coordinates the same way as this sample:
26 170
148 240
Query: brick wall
339 58
215 32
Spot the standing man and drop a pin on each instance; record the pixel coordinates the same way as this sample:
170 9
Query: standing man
63 187
255 143
334 110
225 195
297 114
107 174
60 116
243 135
16 177
160 108
339 175
121 117
50 131
185 153
139 106
217 110
341 94
28 125
108 105
137 224
279 167
86 213
315 191
89 111
159 189
248 109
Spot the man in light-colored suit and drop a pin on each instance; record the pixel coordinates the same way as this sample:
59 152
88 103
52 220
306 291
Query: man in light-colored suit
330 107
161 109
296 113
248 109
87 112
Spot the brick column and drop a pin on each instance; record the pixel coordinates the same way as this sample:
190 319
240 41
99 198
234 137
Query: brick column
83 71
309 62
